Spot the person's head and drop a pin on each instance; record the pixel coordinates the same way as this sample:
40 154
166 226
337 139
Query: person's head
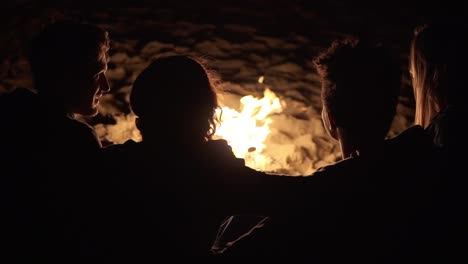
438 67
360 87
68 63
175 96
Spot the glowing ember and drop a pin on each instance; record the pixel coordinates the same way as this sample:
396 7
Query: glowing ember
260 79
247 130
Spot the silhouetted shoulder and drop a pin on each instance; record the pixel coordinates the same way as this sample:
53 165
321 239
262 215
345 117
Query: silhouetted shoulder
340 176
17 105
221 152
118 158
78 135
18 97
129 145
413 138
334 168
18 114
445 127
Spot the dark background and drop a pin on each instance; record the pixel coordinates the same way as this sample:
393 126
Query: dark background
244 40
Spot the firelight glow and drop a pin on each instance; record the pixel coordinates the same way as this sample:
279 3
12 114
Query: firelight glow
247 130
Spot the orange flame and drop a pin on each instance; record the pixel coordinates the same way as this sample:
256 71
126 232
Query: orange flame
247 130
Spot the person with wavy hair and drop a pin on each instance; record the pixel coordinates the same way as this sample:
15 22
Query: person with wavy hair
438 66
175 100
181 94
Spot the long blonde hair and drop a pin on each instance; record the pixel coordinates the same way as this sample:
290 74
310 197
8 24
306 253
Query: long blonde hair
437 57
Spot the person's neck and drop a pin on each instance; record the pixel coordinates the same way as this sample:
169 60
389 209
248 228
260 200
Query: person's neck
351 145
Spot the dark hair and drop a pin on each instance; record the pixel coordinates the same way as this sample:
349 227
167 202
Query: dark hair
438 66
64 46
177 92
360 85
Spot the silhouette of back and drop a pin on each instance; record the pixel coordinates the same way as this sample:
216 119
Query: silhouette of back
170 190
376 196
48 149
368 205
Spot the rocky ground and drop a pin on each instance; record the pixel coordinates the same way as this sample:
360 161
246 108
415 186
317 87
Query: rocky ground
242 42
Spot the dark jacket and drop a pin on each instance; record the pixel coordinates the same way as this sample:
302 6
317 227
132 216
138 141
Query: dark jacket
181 194
45 173
448 133
447 128
373 206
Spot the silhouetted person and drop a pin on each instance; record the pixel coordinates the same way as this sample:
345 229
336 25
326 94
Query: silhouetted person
438 67
47 145
360 87
68 62
170 192
380 190
363 206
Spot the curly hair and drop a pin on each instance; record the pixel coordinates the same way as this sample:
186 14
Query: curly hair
180 92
